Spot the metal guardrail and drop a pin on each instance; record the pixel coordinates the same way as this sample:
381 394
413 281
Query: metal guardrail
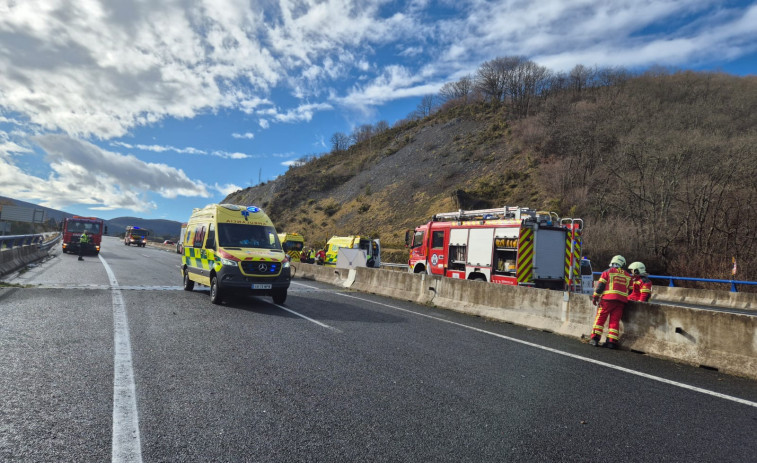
14 241
671 279
43 240
390 265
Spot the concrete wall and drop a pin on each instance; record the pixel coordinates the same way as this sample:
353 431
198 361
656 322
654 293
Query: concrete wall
16 258
743 301
719 340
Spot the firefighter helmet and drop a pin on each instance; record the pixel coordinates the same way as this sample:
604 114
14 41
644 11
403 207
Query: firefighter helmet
637 268
618 261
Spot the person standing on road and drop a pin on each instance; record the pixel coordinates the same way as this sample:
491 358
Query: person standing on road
83 240
641 285
611 295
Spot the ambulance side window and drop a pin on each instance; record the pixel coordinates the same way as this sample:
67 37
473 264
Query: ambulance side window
437 240
211 242
199 236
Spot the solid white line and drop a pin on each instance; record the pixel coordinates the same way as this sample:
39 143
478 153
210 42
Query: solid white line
567 354
126 440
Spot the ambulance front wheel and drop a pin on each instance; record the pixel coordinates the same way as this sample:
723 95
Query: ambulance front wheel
189 285
216 296
279 296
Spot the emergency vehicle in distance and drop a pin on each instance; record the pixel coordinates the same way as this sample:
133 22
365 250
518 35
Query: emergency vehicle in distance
182 234
229 247
509 245
292 244
72 228
136 236
371 248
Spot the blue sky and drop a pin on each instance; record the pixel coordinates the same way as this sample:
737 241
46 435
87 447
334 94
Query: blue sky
149 109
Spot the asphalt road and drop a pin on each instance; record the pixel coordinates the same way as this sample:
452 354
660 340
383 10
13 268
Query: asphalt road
330 376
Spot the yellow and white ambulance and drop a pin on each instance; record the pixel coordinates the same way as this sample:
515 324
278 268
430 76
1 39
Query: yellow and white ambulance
229 247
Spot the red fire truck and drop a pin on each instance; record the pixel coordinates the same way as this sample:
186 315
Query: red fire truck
72 228
509 245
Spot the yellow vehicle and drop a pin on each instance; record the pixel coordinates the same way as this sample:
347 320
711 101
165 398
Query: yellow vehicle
370 248
229 247
292 244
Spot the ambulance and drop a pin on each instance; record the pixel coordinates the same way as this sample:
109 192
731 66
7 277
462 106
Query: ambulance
233 248
371 249
293 244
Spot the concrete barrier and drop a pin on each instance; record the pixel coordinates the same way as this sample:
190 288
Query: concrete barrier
14 259
743 301
724 341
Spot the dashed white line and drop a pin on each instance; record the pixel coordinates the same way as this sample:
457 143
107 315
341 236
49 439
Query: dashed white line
126 446
559 352
307 318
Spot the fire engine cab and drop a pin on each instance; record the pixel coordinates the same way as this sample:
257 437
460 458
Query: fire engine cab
509 245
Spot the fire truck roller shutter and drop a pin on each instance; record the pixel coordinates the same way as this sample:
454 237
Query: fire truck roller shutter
458 237
480 247
508 233
549 245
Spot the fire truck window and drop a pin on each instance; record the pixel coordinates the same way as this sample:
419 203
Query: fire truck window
437 240
418 239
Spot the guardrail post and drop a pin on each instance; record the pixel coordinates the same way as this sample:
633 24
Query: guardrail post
733 287
671 285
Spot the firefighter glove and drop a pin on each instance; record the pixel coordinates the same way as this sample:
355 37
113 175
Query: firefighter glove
595 299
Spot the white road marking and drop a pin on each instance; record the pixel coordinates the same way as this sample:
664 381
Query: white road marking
307 318
559 352
126 440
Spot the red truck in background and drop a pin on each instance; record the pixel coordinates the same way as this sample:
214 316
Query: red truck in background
72 228
510 245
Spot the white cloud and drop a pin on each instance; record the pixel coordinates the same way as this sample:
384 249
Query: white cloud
227 189
246 135
188 150
82 173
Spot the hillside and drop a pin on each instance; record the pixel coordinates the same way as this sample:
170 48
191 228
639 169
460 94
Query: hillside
660 166
165 229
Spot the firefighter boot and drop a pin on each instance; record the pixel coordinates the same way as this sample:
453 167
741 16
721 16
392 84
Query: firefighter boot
594 341
611 344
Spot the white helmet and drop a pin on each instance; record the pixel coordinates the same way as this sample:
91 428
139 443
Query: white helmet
637 268
618 261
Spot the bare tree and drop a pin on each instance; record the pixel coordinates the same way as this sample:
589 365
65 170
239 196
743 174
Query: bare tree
362 133
339 142
425 107
457 91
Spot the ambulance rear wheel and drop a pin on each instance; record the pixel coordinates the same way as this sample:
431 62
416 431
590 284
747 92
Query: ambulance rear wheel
216 296
189 285
279 296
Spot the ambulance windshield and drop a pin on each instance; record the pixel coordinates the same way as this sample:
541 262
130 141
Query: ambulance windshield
235 235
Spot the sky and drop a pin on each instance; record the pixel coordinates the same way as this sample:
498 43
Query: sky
150 108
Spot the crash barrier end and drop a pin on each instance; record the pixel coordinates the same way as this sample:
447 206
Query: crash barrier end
723 341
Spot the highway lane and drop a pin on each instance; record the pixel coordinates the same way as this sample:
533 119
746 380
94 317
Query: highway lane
362 378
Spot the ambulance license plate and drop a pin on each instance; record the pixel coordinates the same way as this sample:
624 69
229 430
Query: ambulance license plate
261 286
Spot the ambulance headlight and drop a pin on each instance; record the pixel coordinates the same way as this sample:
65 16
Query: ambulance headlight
285 264
229 262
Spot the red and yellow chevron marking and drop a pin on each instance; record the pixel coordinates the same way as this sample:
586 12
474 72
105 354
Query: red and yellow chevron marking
525 265
576 258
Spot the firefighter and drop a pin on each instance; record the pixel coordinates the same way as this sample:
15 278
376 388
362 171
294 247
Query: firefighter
611 295
641 285
320 256
83 240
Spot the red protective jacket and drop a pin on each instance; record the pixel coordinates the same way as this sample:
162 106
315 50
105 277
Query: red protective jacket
614 285
641 289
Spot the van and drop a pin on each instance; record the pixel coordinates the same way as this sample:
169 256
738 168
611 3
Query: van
233 248
371 249
293 244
